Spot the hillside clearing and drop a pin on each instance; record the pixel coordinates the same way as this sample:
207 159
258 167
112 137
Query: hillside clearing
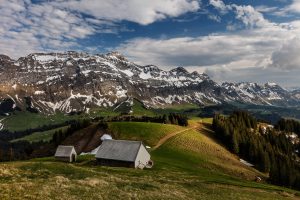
44 136
22 120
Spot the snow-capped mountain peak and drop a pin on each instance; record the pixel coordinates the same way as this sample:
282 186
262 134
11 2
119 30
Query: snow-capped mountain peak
73 81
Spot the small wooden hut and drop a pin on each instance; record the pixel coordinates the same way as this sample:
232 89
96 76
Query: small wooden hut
65 153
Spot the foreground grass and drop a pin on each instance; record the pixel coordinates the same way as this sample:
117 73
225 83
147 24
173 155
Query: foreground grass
47 179
190 165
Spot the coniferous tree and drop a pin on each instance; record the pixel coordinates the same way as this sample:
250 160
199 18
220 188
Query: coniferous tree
166 119
235 143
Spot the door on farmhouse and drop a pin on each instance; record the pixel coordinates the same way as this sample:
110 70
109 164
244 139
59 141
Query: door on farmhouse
73 158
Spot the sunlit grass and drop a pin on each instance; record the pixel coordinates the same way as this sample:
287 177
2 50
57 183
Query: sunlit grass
149 133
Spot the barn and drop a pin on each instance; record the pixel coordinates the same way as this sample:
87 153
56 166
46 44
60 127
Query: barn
123 153
65 153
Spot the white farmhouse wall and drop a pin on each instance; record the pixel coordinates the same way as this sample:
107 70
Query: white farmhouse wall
142 158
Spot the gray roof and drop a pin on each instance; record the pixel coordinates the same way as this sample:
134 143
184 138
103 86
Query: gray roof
64 151
122 150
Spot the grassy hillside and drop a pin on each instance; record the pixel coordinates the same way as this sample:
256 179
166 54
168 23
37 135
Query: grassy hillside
45 136
19 121
201 152
22 120
189 165
149 133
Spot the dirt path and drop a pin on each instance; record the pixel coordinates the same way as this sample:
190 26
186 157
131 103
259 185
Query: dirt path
167 137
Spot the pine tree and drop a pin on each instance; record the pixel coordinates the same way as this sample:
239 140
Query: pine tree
171 118
235 143
55 138
166 119
265 162
274 172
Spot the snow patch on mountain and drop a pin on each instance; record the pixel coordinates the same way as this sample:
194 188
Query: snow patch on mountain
14 86
39 92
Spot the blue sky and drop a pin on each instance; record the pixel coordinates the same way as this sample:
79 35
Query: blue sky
236 40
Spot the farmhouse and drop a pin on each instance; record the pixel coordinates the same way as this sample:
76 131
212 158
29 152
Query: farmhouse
65 153
123 153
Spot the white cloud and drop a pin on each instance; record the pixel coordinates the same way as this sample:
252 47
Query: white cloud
188 51
252 45
270 49
214 17
287 57
266 9
287 11
249 16
294 7
220 5
27 27
140 11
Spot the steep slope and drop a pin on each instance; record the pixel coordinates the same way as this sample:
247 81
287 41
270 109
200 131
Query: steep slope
76 82
195 142
85 140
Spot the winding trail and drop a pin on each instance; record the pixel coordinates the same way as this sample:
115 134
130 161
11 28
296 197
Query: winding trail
169 136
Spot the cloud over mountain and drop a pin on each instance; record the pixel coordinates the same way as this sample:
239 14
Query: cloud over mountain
139 11
287 57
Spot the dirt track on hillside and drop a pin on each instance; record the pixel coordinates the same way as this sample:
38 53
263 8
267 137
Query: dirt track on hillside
167 137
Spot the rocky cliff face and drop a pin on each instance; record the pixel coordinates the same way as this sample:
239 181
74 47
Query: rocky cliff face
78 82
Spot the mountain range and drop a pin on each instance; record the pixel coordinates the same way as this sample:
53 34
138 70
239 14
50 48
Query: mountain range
73 82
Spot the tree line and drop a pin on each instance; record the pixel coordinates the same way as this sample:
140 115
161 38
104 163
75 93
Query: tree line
288 125
60 135
172 118
6 135
22 150
268 149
